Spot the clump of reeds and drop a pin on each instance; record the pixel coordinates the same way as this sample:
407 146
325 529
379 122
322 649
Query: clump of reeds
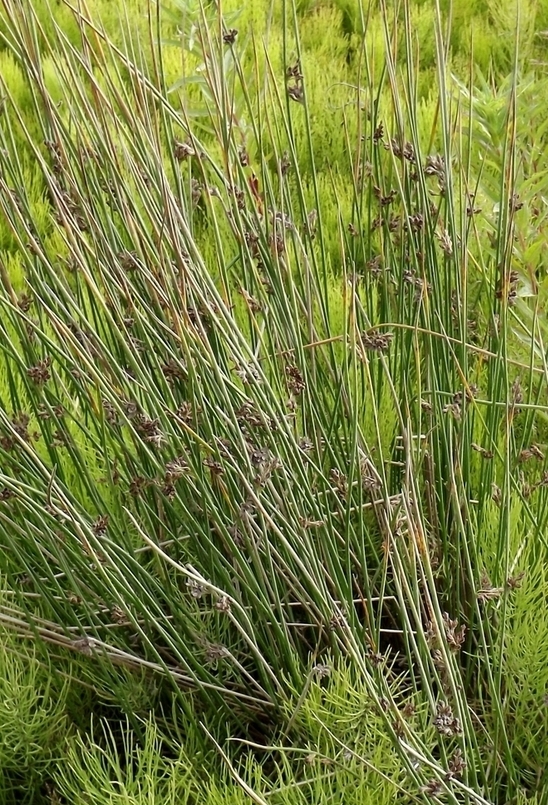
267 414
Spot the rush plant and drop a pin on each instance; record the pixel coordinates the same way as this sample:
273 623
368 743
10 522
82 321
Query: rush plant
272 393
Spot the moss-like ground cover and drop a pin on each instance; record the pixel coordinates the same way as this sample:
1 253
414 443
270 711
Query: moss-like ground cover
273 418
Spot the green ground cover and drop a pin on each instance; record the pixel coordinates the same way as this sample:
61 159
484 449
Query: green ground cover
273 417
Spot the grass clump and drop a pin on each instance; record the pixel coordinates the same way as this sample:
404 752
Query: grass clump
272 405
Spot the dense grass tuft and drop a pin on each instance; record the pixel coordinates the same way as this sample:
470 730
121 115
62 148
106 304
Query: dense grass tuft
272 403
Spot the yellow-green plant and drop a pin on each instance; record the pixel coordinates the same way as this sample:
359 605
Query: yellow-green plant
33 719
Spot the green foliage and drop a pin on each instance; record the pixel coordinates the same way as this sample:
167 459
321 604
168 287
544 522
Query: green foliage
526 663
272 372
125 771
32 712
342 742
33 719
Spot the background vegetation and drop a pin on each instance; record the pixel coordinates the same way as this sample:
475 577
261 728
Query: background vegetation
273 488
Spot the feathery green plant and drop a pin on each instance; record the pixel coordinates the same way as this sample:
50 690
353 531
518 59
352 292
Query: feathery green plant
33 716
